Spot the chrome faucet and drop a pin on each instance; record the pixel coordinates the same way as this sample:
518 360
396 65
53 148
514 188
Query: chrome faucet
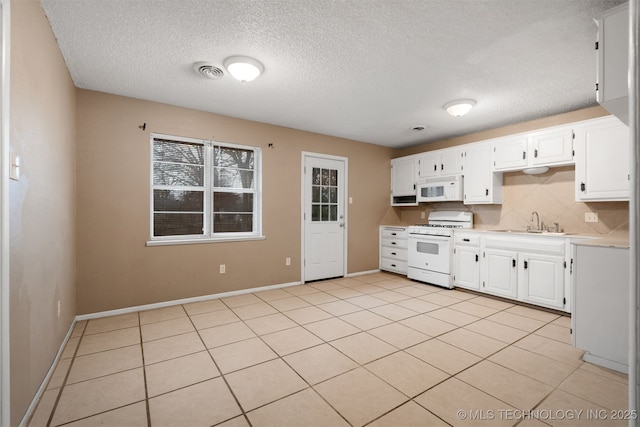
537 220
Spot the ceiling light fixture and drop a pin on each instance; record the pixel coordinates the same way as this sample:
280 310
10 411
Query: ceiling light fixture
459 107
536 170
243 68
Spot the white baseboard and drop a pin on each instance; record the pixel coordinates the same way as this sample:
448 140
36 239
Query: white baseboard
43 386
145 307
362 273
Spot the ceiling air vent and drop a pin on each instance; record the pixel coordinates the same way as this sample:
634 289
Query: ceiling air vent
208 70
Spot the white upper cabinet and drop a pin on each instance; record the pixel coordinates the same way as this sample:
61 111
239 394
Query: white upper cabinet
612 89
403 181
548 147
602 160
481 184
440 163
551 147
510 153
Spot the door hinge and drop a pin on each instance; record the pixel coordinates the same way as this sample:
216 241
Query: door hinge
596 87
571 266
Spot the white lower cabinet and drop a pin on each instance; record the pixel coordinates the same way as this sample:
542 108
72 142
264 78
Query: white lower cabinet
466 261
541 280
393 249
500 274
531 269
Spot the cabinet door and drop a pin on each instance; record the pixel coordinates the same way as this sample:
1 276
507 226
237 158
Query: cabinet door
510 153
481 184
500 272
403 176
466 267
428 164
552 147
602 161
613 47
541 280
451 161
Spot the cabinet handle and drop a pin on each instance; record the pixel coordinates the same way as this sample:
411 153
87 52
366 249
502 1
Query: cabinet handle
524 155
393 265
435 168
535 153
486 192
526 265
441 166
393 234
513 262
477 257
583 187
393 243
393 253
466 240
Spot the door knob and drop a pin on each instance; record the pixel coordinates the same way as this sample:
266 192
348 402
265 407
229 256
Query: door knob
341 224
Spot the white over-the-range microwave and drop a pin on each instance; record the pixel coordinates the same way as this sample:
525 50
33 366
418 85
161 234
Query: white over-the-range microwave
441 189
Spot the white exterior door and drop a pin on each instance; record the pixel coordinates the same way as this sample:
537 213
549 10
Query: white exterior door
324 217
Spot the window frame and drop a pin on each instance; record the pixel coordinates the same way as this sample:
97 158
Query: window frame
208 189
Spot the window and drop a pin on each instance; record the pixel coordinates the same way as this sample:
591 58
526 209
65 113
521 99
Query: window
204 190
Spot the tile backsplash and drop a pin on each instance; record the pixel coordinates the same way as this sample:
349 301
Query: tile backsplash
551 194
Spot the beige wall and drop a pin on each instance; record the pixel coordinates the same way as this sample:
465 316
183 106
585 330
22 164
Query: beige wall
551 194
42 202
116 269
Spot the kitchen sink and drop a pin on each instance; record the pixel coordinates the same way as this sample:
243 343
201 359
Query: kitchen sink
544 233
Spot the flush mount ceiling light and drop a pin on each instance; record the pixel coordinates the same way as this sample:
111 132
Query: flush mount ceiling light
459 107
536 170
243 68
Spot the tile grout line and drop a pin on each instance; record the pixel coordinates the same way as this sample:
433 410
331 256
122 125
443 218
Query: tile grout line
222 375
144 373
66 377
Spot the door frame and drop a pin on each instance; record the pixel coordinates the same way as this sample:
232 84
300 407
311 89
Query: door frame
304 156
5 385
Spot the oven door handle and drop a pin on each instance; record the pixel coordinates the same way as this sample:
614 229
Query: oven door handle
423 237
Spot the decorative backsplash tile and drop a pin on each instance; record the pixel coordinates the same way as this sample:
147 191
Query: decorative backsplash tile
551 194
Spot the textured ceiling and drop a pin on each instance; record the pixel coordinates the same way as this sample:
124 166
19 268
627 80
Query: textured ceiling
367 70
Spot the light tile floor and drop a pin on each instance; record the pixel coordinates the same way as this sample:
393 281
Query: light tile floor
376 350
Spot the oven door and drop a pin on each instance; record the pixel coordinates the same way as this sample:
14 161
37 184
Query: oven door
431 253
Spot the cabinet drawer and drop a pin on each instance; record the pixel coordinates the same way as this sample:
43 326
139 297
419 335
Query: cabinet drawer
467 239
394 233
395 243
545 245
394 253
393 265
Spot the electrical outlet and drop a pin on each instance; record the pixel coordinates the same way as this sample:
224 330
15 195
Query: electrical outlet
350 200
223 268
591 217
287 261
59 307
423 215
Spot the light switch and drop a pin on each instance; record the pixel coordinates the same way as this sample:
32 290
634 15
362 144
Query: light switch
14 167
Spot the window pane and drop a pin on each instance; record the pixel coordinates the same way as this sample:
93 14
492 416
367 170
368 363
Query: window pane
333 177
232 223
325 177
325 195
233 158
232 202
333 213
178 201
176 224
178 152
325 212
315 194
333 195
177 174
315 213
232 178
315 177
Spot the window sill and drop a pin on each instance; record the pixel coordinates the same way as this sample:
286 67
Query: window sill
199 241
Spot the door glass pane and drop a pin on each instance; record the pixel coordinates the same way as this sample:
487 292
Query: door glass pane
324 195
